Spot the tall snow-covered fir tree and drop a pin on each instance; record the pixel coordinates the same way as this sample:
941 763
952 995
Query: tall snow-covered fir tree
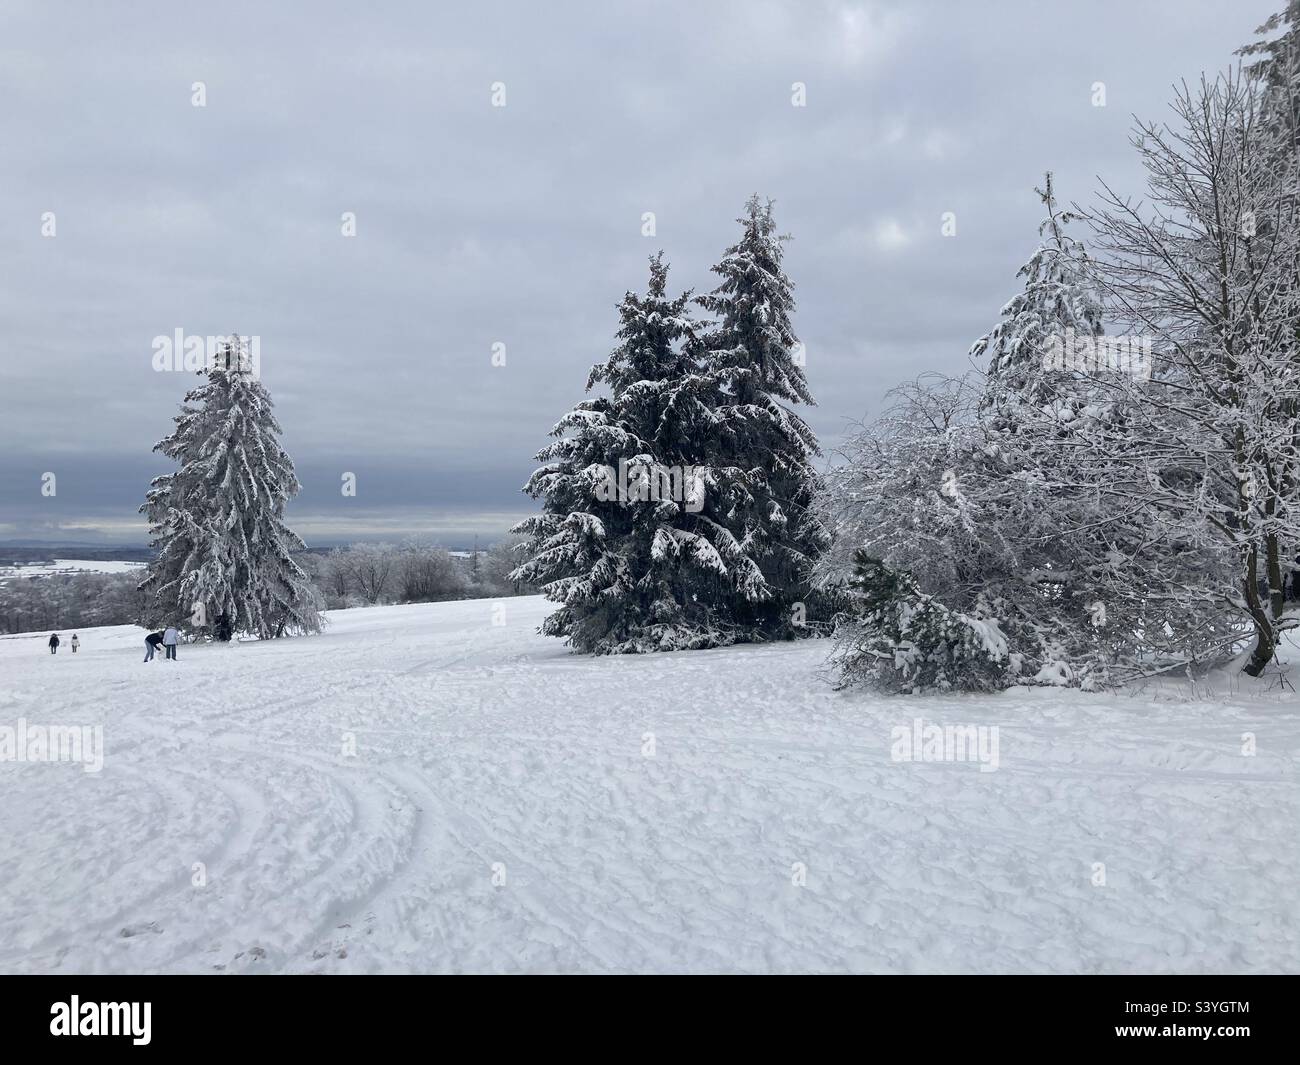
621 543
224 559
759 450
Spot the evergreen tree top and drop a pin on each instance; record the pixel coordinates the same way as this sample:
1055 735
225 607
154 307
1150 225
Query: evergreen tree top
1057 296
1276 52
227 431
649 327
1275 62
754 337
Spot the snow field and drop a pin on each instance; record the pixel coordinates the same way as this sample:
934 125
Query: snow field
512 807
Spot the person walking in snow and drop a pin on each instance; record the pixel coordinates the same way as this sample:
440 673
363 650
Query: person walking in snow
170 637
54 643
75 643
151 644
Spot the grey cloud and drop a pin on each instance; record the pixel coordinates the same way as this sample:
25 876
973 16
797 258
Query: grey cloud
519 225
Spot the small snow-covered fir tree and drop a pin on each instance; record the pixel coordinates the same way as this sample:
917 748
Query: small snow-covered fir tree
900 639
759 450
621 543
224 559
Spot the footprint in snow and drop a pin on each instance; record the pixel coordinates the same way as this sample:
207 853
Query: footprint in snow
139 929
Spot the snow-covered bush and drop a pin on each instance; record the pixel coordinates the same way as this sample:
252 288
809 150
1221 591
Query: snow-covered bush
426 573
991 494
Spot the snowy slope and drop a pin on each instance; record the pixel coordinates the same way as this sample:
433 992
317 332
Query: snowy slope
480 744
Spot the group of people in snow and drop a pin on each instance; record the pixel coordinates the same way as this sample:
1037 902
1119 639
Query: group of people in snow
169 637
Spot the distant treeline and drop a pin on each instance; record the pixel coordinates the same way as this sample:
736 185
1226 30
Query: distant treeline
360 575
68 601
414 571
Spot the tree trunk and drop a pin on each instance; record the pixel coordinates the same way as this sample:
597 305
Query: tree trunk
1265 639
1276 585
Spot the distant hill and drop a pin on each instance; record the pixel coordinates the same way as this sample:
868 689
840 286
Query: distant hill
27 552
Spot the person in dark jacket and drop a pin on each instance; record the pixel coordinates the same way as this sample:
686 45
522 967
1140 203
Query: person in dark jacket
151 644
54 643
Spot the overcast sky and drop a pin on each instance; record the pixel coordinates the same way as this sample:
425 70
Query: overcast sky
519 225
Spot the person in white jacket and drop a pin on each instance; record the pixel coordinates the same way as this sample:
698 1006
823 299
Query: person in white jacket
170 638
75 643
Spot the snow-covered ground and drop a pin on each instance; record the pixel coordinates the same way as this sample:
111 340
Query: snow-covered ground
512 807
67 565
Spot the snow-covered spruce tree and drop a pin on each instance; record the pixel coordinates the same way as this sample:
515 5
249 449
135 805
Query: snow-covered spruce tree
1105 593
759 451
621 543
224 553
